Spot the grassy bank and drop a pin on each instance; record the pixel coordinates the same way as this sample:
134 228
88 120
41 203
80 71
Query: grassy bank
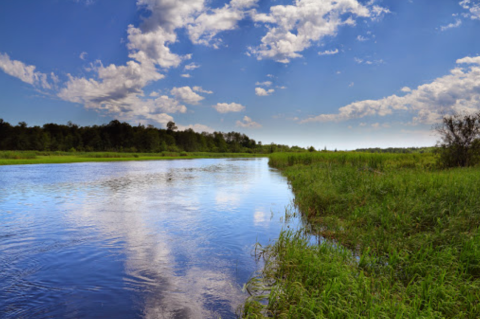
27 157
401 240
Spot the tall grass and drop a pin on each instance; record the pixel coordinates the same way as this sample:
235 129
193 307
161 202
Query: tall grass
402 240
42 157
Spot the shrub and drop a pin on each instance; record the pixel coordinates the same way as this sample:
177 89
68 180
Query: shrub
460 143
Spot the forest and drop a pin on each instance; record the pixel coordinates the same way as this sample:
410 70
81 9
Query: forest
119 136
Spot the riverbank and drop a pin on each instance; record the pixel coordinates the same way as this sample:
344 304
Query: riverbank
400 239
30 157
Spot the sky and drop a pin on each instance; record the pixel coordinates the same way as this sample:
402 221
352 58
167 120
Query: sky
341 74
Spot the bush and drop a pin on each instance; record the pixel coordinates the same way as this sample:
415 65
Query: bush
460 140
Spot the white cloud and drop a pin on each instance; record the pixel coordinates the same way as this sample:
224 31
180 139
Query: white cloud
228 107
263 92
248 123
351 84
199 89
406 89
117 89
185 75
191 66
210 22
362 38
457 92
469 60
83 55
328 52
361 61
294 28
186 94
266 83
25 73
457 23
281 87
150 41
473 8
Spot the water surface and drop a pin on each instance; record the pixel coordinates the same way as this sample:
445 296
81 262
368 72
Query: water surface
152 239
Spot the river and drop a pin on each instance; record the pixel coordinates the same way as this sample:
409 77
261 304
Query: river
146 239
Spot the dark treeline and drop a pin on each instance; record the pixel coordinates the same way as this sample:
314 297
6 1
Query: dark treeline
119 136
404 150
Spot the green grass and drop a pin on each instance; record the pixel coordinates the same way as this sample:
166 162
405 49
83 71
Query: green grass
401 240
32 157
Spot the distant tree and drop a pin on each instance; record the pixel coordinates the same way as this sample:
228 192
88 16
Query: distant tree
311 149
460 144
171 126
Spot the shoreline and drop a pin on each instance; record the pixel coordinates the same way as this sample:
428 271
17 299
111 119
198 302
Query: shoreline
30 158
400 238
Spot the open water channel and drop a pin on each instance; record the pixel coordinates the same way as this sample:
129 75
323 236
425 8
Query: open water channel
150 239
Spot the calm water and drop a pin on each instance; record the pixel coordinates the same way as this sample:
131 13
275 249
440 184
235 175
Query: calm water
155 239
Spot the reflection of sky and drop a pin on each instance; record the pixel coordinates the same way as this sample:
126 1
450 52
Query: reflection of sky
153 239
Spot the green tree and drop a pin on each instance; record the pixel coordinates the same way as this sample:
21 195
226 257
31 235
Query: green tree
459 144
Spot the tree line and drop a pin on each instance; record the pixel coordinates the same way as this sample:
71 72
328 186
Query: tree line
119 136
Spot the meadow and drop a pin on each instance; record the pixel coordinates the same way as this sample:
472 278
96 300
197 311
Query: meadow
57 157
398 238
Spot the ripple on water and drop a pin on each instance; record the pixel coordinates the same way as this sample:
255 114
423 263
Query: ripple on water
153 239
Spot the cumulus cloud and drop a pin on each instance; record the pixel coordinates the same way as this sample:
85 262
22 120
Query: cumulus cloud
25 73
191 66
457 23
406 89
263 92
185 75
150 41
201 90
115 88
187 95
83 55
228 107
210 22
328 52
457 92
294 28
473 8
248 123
266 83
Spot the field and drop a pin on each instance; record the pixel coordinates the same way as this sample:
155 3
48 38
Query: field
33 157
398 238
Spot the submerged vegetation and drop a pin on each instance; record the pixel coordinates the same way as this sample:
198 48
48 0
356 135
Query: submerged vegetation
400 238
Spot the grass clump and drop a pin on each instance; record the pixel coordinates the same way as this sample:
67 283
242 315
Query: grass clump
401 240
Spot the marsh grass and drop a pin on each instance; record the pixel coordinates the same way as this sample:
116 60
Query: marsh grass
401 240
38 157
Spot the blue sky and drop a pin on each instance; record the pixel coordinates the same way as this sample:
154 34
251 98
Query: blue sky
338 73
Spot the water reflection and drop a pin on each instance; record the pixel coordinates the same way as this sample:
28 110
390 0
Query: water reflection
166 239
